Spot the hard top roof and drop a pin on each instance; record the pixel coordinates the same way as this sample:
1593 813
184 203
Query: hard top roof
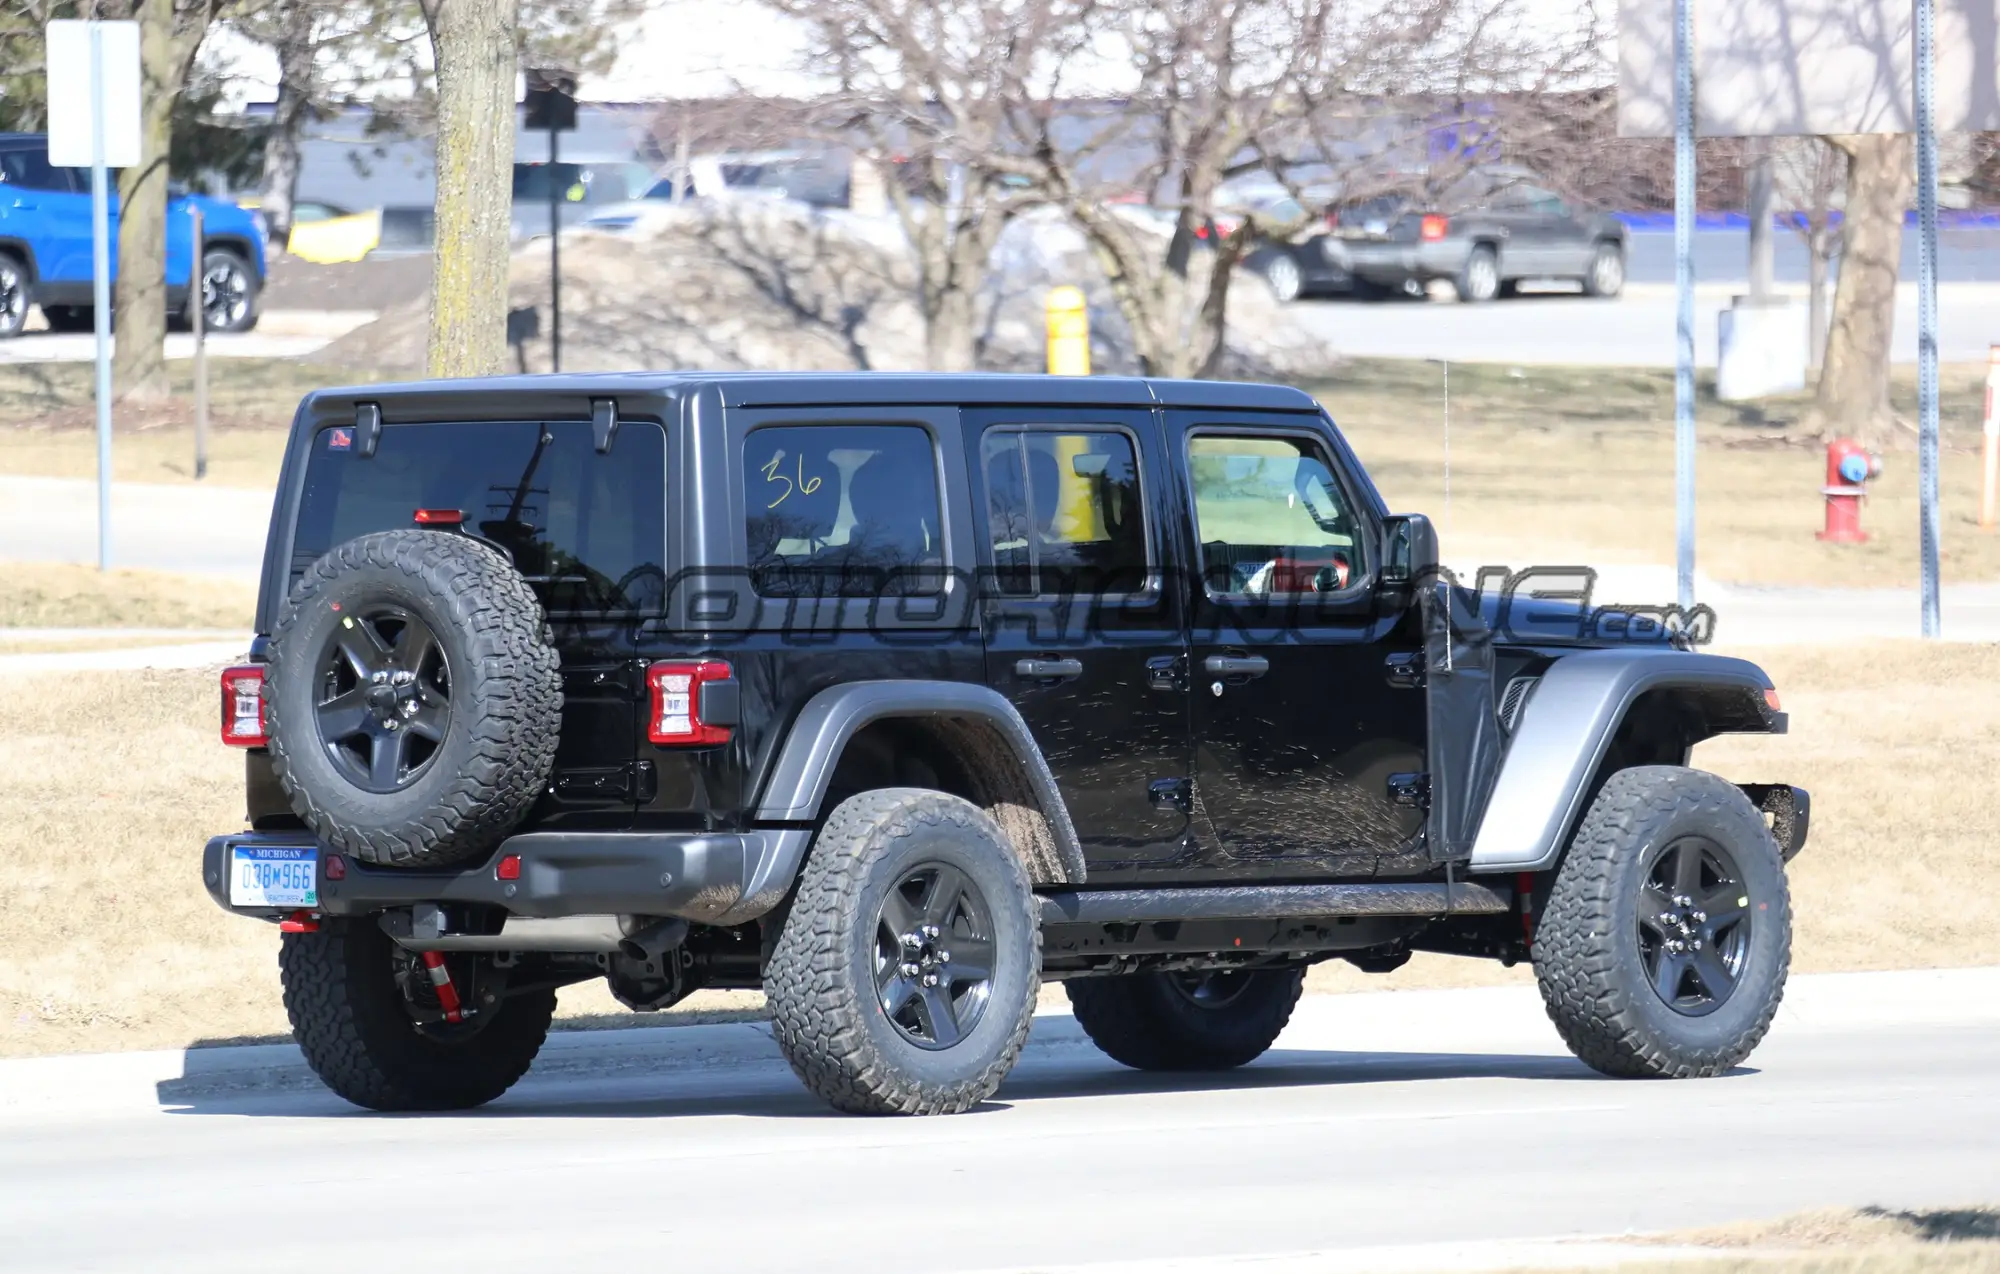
748 389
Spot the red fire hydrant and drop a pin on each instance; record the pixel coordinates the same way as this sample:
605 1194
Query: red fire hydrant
1848 466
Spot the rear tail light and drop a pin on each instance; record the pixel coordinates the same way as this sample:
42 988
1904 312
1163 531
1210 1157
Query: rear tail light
440 517
1433 228
243 707
693 703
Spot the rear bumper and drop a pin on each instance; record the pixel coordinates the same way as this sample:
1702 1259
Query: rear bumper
1393 264
713 878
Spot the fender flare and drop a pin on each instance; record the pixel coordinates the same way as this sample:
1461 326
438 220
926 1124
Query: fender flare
1567 727
797 786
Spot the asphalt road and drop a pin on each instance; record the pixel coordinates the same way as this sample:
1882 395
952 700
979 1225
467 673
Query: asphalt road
1635 330
1379 1122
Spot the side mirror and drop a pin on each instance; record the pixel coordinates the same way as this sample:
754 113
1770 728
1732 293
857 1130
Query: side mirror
1409 550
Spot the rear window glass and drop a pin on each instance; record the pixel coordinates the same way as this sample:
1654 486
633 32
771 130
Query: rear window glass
1064 513
588 530
842 511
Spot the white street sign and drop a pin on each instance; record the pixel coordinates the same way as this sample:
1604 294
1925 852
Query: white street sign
69 93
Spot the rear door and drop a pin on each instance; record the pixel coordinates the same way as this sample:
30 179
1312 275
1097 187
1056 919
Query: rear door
587 530
1082 618
45 207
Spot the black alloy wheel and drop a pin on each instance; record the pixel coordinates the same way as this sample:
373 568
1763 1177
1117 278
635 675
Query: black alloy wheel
934 956
226 292
1694 925
383 702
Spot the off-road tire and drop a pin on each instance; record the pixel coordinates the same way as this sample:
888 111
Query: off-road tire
820 979
506 694
350 1021
1143 1021
1586 949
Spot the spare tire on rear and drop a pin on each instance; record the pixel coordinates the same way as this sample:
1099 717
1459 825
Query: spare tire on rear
413 699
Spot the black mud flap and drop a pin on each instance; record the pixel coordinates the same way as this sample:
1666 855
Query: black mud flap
1462 716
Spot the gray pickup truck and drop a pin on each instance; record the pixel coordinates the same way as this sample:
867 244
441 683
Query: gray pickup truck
1518 234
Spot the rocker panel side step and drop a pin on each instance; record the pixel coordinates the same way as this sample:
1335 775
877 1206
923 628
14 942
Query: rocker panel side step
1270 902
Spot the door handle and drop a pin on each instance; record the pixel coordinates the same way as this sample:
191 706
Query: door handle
1048 669
1166 672
1236 665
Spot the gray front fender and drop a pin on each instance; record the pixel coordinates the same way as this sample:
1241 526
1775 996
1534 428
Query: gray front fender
798 783
1568 726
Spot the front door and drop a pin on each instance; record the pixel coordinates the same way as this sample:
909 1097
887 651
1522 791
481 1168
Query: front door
1297 723
1083 619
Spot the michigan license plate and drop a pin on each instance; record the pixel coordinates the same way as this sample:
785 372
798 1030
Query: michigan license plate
268 876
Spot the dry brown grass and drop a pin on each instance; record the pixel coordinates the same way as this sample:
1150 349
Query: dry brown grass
64 595
1843 1241
1567 465
109 782
48 423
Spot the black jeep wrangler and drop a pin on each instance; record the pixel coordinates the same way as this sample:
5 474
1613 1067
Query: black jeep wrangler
898 695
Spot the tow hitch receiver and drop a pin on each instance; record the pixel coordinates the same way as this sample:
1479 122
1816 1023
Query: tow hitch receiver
441 979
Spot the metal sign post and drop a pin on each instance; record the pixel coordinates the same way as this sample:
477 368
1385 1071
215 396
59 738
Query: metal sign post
551 103
93 80
198 313
1924 55
1684 302
100 291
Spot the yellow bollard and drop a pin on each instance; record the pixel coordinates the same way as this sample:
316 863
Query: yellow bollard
1069 332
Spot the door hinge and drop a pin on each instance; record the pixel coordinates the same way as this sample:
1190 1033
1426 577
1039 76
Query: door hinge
1410 791
1405 669
1178 793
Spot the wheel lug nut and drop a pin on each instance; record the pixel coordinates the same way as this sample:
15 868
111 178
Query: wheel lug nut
910 970
1699 917
930 979
930 931
944 957
912 941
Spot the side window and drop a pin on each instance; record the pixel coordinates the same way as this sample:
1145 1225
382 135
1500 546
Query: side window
1064 512
842 510
1270 516
31 169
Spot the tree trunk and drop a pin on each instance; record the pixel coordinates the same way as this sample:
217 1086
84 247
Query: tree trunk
1853 395
167 44
1819 253
296 73
473 41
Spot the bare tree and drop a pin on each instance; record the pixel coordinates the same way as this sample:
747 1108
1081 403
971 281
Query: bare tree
1852 398
1351 93
170 34
923 98
474 46
1810 175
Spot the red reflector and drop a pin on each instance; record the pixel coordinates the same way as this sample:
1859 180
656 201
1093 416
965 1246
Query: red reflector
1433 228
299 922
336 867
1771 698
675 716
509 868
440 517
243 707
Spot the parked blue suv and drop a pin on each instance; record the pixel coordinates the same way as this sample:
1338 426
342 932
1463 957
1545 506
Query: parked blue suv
45 247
